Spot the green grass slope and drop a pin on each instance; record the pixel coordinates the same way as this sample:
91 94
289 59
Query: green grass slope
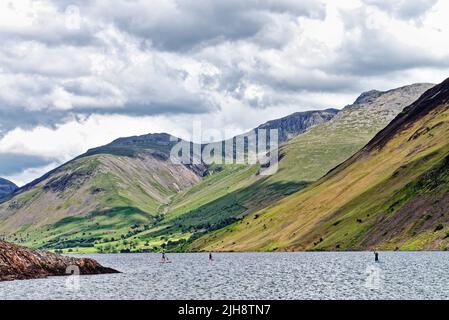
311 155
126 196
393 194
93 196
231 193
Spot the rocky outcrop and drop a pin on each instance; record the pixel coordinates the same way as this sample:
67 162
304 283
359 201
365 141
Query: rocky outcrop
298 123
6 188
18 263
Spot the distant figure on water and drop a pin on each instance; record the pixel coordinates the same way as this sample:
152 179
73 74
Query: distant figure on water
376 256
210 257
164 258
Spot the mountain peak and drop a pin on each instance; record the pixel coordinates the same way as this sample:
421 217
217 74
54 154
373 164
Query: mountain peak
161 138
368 96
429 100
299 122
158 143
372 95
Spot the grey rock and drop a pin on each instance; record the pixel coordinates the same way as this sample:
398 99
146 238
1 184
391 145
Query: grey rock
298 122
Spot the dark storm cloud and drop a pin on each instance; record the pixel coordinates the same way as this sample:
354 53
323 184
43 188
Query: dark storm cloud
14 163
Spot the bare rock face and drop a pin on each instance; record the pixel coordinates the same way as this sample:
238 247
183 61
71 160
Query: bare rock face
18 263
373 110
298 123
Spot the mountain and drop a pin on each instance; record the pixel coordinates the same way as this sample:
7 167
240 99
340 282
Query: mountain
128 187
6 188
392 194
305 158
17 263
128 195
108 188
311 155
232 193
299 122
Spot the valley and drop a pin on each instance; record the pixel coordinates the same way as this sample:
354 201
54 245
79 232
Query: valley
128 197
391 195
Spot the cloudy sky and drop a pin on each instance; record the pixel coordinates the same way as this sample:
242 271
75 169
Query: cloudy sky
78 74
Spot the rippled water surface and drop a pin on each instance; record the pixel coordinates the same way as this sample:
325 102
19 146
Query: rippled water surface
398 275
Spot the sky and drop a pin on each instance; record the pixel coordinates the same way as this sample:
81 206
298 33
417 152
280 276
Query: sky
78 74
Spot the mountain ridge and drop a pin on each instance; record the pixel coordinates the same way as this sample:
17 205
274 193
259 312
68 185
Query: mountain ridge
391 195
126 196
130 181
298 122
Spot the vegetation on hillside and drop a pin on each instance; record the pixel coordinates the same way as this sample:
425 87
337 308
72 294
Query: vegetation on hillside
127 197
391 195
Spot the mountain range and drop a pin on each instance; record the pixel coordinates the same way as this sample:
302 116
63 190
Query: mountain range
128 196
391 195
117 190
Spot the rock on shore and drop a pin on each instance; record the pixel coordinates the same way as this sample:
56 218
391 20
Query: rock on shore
18 263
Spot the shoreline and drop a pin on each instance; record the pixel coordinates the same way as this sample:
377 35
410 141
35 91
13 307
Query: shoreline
20 263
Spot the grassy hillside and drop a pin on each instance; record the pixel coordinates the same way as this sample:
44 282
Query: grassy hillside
391 195
127 196
311 155
231 195
91 197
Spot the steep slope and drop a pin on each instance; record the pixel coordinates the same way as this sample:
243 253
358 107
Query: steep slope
105 191
393 194
103 198
225 181
6 188
311 155
128 196
304 159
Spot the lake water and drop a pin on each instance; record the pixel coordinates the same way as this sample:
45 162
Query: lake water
398 275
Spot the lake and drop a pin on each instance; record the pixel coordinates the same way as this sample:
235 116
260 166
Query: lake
352 275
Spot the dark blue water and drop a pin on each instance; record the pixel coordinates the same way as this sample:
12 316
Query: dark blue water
399 275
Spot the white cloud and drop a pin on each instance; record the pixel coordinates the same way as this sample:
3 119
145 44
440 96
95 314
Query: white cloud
29 174
404 9
144 66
